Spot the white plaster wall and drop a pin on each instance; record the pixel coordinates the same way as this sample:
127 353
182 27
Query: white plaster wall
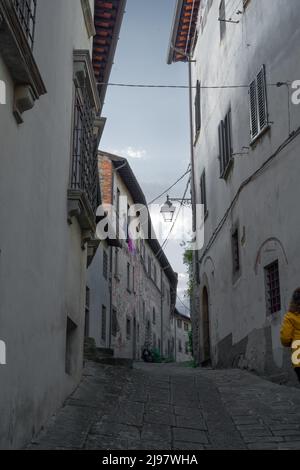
268 33
42 266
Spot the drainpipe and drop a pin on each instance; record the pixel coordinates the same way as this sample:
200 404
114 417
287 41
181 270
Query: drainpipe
161 313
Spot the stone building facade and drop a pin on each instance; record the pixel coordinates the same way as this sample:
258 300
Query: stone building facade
246 165
142 284
50 131
182 328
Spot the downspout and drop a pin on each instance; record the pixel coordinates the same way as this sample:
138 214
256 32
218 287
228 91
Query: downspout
111 268
161 312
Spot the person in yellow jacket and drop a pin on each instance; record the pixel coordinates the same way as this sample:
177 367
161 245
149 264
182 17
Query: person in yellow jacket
290 330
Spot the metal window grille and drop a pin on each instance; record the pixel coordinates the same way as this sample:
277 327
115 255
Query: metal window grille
273 288
26 11
84 173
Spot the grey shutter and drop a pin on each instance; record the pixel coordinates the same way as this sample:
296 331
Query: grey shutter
221 147
261 99
198 107
253 110
227 135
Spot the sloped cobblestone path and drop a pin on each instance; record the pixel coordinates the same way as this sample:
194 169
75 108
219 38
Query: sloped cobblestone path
168 406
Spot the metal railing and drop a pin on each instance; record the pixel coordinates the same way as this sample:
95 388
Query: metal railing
26 11
84 172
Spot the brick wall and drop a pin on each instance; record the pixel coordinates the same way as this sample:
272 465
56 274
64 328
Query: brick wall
106 178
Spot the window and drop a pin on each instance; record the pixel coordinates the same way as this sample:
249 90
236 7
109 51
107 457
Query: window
114 323
103 323
155 274
179 323
128 328
235 252
179 345
84 170
273 288
225 145
198 108
26 12
186 326
133 279
71 347
222 19
116 262
203 191
153 316
128 277
105 265
258 104
87 312
149 266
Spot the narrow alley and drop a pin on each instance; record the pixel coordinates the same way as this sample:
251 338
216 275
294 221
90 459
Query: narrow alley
171 406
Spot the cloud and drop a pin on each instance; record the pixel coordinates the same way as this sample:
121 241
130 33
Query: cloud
129 152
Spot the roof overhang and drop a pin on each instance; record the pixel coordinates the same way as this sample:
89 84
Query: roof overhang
108 20
183 30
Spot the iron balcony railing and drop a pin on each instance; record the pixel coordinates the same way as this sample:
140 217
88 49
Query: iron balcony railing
84 172
26 11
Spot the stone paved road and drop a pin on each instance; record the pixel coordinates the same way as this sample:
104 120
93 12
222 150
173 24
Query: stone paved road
161 407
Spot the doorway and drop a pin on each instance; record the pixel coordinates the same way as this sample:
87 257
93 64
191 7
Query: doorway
206 328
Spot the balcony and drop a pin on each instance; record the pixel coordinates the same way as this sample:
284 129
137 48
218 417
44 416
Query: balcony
26 12
17 28
84 188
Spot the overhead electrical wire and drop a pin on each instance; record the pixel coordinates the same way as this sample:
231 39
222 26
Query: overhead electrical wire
171 187
202 87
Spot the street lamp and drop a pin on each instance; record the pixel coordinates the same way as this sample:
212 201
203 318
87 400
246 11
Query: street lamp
168 210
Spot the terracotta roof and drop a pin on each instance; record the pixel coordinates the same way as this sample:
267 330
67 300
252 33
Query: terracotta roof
183 30
108 19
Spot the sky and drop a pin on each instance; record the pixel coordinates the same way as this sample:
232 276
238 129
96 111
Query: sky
150 127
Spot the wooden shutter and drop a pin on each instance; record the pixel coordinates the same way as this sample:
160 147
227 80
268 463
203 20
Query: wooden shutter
258 104
227 138
253 110
221 147
203 191
198 107
261 98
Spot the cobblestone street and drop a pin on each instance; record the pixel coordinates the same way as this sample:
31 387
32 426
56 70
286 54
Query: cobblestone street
161 407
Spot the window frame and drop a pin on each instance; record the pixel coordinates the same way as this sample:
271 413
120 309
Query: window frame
269 290
258 106
225 144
